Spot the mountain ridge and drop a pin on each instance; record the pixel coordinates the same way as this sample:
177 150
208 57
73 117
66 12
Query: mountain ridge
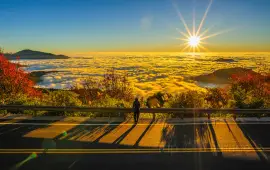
223 76
32 54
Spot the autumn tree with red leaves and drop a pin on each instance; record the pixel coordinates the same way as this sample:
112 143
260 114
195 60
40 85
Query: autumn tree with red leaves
251 90
13 80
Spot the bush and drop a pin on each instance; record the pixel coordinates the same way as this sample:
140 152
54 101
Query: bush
157 100
114 85
217 98
89 90
189 99
63 98
107 101
23 99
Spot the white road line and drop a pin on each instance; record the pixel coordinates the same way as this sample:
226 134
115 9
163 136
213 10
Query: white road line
139 124
139 149
153 151
70 166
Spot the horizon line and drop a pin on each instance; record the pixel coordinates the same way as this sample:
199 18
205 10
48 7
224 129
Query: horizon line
75 54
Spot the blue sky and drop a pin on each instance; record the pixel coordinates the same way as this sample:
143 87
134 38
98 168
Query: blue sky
81 26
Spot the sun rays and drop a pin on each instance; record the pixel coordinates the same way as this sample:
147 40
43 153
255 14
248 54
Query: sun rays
194 39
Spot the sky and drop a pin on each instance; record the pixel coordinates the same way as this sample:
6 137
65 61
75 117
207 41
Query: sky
76 27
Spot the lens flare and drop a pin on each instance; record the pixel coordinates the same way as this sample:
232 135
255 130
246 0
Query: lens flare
64 133
20 164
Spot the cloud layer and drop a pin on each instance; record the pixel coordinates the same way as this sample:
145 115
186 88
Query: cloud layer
148 73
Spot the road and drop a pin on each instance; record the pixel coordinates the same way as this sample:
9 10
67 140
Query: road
151 144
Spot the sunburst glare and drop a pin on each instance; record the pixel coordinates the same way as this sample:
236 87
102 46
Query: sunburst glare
194 39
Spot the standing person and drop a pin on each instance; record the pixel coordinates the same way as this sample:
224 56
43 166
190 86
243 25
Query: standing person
136 108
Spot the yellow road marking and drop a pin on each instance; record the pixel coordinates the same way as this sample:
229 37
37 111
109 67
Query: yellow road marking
115 151
139 124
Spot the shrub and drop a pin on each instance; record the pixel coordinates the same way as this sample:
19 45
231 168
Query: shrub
23 99
114 85
153 102
157 100
88 90
108 101
63 98
217 97
189 99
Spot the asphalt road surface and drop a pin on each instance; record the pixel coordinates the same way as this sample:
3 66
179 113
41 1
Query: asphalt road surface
150 144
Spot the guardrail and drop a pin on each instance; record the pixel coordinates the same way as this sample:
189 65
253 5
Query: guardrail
129 110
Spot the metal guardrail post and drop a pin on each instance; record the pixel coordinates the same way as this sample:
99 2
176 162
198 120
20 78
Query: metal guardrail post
259 116
234 116
109 121
35 112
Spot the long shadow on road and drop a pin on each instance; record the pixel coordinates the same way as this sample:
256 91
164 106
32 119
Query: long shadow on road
144 132
109 136
12 135
258 137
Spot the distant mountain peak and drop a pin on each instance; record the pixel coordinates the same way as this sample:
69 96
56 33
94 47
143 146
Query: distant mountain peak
26 50
32 54
223 76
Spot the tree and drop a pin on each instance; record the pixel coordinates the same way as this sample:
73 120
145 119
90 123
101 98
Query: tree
116 85
112 84
88 90
217 97
13 80
188 99
251 90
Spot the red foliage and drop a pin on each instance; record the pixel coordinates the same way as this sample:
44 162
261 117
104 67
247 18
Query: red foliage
258 83
14 80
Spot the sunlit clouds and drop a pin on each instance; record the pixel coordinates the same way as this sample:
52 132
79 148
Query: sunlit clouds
148 73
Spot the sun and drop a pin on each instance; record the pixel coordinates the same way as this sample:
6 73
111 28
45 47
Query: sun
194 41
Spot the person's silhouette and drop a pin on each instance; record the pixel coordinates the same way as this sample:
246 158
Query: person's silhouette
136 109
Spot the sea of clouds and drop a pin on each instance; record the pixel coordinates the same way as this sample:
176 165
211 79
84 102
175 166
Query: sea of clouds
148 73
